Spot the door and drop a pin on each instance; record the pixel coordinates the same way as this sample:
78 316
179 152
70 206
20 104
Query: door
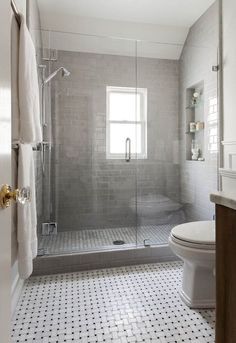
169 190
158 205
5 169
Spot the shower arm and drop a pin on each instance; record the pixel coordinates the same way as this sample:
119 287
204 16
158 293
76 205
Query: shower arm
65 72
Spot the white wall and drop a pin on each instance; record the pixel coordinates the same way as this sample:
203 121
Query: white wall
228 171
101 27
170 38
111 46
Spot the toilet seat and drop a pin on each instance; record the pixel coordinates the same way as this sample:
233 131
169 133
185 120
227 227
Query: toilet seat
198 235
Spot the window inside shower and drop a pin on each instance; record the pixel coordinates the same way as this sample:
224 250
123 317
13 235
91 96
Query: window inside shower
126 118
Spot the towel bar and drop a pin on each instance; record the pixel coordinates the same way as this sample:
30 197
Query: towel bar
36 147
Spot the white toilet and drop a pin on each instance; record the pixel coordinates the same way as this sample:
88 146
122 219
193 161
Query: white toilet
194 243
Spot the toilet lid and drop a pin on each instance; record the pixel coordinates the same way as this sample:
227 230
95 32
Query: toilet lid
202 232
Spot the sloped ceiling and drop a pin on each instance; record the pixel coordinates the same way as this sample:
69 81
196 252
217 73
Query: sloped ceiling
163 21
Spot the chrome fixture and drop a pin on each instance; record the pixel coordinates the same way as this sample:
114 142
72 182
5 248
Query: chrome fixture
118 242
147 242
49 229
35 147
128 149
52 55
215 68
64 72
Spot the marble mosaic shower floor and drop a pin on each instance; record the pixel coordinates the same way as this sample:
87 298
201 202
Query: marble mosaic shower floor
118 305
86 240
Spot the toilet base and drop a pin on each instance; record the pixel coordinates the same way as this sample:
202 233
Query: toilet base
194 304
198 285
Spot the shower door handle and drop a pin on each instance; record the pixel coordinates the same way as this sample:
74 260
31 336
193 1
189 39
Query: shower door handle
128 149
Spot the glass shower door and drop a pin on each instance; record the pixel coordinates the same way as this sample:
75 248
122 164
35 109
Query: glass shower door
172 187
158 184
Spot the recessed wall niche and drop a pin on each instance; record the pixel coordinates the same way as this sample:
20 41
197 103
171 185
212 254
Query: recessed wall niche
195 122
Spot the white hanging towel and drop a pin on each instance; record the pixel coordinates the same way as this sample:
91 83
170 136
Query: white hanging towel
26 214
30 125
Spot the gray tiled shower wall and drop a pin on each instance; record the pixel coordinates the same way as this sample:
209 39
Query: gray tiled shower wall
91 191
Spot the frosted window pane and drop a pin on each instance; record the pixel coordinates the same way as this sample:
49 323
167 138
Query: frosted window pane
123 106
118 135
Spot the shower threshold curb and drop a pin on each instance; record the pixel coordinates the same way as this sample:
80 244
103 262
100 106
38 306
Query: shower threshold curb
66 263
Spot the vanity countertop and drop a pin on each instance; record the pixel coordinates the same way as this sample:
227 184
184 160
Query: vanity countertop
224 199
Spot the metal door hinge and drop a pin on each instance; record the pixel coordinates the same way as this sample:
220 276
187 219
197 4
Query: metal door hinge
215 68
147 242
49 229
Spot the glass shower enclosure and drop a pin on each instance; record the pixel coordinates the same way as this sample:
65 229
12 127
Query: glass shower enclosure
111 163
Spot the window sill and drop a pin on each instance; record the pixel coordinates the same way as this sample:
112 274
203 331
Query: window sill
121 157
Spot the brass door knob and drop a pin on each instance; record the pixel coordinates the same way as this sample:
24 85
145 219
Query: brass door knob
19 195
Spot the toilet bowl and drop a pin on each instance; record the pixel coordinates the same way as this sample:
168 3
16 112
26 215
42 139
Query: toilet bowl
194 243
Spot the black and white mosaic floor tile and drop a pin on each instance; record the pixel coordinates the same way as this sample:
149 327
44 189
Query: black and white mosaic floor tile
118 305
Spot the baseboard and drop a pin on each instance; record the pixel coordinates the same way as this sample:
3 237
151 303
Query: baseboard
16 289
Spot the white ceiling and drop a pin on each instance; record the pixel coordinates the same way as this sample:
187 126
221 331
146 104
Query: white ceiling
161 12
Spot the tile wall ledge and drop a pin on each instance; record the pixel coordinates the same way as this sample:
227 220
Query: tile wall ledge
228 142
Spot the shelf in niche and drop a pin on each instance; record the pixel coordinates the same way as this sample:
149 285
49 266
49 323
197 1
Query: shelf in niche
193 133
195 114
196 160
194 106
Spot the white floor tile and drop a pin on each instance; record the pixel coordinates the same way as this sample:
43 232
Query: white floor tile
128 304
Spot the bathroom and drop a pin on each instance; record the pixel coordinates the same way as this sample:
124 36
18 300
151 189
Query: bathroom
117 139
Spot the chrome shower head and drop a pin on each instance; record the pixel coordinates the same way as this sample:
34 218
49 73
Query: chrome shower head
64 72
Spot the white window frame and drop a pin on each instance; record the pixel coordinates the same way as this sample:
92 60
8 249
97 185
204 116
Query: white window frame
143 121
